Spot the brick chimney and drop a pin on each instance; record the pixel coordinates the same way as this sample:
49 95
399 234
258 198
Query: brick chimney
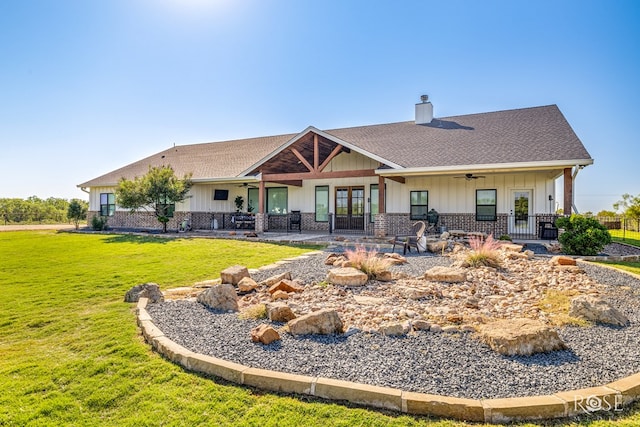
424 111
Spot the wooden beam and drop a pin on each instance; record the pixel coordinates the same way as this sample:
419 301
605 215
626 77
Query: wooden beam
318 175
302 159
292 182
261 198
399 179
316 154
381 207
568 191
333 153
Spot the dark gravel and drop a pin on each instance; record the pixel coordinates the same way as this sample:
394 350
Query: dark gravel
437 363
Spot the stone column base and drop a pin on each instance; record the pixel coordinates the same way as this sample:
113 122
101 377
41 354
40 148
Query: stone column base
260 222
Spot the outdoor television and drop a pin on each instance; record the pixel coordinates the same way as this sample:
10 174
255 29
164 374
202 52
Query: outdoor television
220 194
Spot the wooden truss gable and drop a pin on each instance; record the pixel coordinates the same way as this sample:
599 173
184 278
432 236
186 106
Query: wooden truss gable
306 158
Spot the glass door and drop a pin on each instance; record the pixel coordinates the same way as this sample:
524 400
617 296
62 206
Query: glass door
350 208
520 218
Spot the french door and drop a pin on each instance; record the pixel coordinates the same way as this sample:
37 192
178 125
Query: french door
350 202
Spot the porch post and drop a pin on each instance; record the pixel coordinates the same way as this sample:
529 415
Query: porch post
261 197
381 207
260 216
568 191
380 220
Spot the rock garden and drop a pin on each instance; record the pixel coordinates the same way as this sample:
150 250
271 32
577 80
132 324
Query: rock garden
487 321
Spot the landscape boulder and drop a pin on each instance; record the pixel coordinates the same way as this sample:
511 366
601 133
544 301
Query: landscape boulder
594 309
383 276
322 322
234 274
264 334
437 246
278 295
220 297
445 274
395 329
511 247
286 286
145 290
395 258
276 279
247 284
520 336
562 260
279 312
347 276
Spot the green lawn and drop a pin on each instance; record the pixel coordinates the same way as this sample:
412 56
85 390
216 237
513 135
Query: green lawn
70 352
628 237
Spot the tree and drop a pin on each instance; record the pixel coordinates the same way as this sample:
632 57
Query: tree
158 191
630 205
606 213
77 211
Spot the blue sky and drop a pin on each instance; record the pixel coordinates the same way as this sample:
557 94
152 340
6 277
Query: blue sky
89 86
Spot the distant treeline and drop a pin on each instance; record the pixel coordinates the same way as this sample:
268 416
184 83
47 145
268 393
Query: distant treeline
35 210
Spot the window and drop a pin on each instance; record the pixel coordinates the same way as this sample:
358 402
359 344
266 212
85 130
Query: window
252 200
163 208
486 205
342 201
107 204
322 203
419 204
374 208
277 202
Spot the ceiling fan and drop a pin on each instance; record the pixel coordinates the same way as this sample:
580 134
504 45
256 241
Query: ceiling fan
469 176
247 185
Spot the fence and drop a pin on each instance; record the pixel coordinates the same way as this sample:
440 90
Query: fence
621 226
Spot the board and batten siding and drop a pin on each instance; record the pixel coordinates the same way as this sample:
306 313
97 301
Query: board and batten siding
94 200
458 195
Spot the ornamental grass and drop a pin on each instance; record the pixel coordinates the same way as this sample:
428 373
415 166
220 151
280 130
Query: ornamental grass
484 252
369 262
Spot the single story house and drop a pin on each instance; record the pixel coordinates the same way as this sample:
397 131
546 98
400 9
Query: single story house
493 172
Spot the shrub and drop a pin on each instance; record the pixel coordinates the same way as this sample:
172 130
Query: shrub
582 235
367 261
505 237
484 252
99 223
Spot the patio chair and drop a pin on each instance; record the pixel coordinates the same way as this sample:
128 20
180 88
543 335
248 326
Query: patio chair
547 230
295 221
415 240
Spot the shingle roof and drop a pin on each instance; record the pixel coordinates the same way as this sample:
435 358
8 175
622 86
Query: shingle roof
213 160
512 136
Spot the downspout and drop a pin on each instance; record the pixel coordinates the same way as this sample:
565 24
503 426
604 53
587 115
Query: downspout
85 190
576 169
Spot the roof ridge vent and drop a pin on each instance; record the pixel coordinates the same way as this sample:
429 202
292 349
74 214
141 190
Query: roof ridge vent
424 111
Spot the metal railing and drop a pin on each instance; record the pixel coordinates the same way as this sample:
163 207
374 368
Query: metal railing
519 227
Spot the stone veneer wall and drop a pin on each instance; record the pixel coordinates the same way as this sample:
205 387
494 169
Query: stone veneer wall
380 225
139 220
309 223
467 222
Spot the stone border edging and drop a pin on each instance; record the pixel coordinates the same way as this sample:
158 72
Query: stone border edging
610 397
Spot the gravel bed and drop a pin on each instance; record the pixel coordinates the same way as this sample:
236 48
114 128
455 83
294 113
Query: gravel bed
437 363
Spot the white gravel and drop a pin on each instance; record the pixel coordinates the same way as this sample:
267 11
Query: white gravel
437 363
